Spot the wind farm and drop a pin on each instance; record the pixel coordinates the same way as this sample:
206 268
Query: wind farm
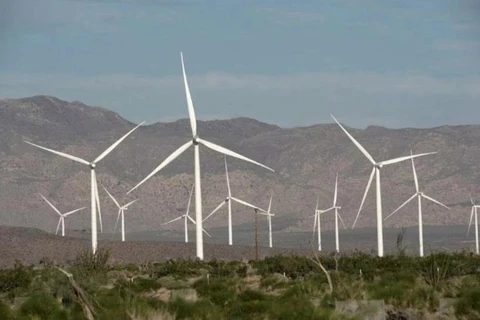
200 219
231 151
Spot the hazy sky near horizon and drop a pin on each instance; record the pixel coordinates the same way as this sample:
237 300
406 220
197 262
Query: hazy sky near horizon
390 63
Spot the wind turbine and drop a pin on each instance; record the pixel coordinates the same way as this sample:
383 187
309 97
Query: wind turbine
95 201
269 218
186 217
419 194
62 215
121 212
229 200
318 213
376 172
195 142
474 213
316 224
337 215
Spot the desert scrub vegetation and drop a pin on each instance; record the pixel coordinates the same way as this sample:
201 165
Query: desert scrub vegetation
279 287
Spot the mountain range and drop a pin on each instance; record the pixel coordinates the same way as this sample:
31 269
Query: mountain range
305 160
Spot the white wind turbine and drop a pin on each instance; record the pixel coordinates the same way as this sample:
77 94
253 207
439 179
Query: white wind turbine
195 142
419 195
337 215
62 215
269 218
186 217
474 213
95 201
318 213
228 200
121 212
376 172
316 224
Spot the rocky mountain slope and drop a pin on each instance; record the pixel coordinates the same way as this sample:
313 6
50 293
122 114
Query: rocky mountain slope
305 160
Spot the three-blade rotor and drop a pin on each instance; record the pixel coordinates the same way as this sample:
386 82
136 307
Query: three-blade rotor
376 165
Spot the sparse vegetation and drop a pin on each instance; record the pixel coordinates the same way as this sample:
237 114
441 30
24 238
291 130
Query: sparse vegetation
279 287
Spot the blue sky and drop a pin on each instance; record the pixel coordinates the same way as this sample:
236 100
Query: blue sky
292 63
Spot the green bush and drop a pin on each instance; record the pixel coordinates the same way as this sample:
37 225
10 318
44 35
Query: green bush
44 306
5 312
141 284
293 308
468 304
17 277
219 291
179 268
88 264
293 266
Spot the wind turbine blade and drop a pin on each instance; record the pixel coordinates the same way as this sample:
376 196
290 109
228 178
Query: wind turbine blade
129 204
327 210
51 205
248 204
216 209
270 203
191 110
110 195
405 203
436 201
315 222
73 211
116 222
165 162
228 180
58 225
113 146
318 200
414 173
335 194
97 200
471 201
355 142
208 234
341 220
193 221
471 218
65 155
228 152
364 196
400 159
173 220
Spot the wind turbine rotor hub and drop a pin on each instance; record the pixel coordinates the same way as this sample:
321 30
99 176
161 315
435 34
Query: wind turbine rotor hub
92 165
378 165
194 140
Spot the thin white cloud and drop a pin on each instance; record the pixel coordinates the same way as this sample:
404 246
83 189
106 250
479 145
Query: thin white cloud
458 46
286 16
377 26
369 83
90 16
